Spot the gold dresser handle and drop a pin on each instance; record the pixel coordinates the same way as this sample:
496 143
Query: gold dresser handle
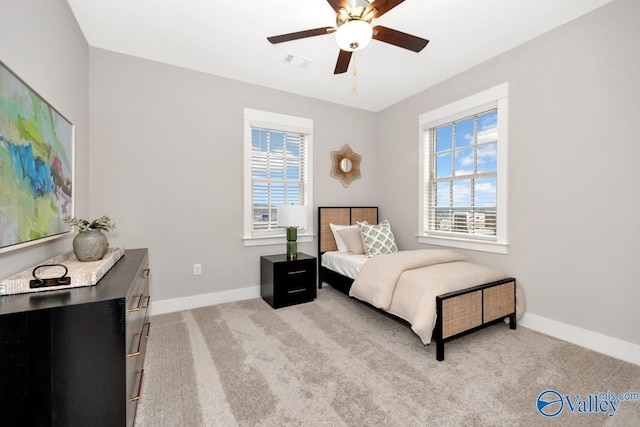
133 399
145 273
141 335
148 325
137 352
137 307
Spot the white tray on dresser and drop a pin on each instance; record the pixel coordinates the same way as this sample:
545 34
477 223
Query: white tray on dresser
81 273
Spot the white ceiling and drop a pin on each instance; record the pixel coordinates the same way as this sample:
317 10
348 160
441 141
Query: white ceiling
228 38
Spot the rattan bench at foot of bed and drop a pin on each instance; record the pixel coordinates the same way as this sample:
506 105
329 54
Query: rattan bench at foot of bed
467 310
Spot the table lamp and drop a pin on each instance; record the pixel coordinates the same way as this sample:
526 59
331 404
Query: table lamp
292 217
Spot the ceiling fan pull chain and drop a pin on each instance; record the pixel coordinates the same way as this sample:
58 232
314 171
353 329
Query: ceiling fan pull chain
355 73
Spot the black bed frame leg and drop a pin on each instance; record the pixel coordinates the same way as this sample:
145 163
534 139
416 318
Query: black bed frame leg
512 321
439 350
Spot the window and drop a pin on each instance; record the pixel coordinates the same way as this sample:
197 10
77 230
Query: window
277 172
463 173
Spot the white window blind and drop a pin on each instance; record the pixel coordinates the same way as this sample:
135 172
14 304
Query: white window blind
278 174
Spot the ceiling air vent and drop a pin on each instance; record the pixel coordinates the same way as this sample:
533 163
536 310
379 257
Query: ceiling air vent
297 61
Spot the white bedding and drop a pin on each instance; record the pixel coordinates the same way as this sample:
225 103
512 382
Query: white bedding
343 263
406 283
396 282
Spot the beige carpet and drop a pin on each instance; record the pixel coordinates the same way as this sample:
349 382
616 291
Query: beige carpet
337 362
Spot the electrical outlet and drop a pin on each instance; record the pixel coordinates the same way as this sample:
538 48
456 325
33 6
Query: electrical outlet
197 269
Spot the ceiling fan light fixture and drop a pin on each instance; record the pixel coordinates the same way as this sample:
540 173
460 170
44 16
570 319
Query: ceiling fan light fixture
354 35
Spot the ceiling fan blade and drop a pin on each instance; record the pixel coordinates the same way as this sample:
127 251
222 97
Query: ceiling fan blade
300 35
343 62
337 4
398 38
383 6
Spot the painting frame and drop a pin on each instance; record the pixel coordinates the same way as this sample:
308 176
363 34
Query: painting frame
37 166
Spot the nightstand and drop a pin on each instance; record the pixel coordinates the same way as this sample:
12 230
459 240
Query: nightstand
287 282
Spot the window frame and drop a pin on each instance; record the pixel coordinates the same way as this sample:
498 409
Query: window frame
279 122
495 97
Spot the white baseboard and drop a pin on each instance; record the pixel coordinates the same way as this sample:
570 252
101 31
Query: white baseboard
203 300
610 346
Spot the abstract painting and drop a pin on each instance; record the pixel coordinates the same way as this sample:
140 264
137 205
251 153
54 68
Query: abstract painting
36 166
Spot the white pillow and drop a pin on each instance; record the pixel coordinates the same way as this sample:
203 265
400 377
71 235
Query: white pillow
353 239
342 246
378 239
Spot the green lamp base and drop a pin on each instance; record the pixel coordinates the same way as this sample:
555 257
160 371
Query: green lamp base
292 244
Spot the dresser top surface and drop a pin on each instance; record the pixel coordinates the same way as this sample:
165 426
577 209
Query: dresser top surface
115 284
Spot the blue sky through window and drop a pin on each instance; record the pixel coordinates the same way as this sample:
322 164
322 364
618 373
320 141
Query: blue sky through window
467 147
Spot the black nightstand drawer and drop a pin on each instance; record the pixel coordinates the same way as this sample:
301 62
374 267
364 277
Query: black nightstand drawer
286 282
294 296
298 275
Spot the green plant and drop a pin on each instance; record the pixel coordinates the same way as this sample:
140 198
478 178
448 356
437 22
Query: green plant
103 223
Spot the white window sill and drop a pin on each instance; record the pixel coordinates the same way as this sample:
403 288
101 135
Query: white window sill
275 240
459 243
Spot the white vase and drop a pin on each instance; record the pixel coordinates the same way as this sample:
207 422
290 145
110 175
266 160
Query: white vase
90 245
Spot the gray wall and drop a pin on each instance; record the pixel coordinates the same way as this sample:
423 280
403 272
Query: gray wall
167 159
44 46
573 171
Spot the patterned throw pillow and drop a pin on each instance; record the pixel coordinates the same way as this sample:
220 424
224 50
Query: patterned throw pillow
378 239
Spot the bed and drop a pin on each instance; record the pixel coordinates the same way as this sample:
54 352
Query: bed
468 296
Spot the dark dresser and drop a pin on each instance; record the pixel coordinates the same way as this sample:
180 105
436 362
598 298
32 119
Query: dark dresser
75 357
286 282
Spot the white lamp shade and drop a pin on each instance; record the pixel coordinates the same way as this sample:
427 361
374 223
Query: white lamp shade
354 35
292 216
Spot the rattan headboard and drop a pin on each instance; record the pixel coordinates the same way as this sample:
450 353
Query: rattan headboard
346 215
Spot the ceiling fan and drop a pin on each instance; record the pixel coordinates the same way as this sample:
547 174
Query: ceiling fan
354 31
